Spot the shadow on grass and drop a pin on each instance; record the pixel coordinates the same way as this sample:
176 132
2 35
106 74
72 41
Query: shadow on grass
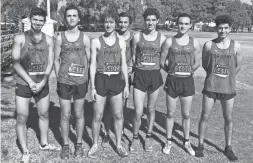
54 122
160 119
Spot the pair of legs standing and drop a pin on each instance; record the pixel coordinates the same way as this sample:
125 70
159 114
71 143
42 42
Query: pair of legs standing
227 108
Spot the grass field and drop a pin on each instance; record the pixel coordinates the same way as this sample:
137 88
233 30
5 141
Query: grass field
242 134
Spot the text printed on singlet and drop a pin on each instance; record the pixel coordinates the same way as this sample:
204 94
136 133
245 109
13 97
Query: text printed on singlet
36 66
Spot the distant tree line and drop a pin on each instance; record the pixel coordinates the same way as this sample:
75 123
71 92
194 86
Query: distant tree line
93 10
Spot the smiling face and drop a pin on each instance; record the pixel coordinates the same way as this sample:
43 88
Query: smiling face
151 22
72 18
184 24
223 30
124 24
109 24
37 22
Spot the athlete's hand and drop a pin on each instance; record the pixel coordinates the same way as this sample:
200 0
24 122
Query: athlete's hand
93 95
38 87
126 91
32 85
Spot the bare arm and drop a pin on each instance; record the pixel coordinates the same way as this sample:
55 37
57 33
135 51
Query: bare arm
18 42
197 56
165 49
123 60
50 63
95 46
135 41
57 52
205 56
86 42
238 57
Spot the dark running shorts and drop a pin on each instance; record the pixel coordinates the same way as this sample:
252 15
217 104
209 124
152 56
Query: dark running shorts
109 85
147 80
219 96
179 86
26 92
66 91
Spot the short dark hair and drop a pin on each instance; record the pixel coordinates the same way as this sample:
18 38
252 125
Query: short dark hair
224 19
151 11
111 14
72 7
184 15
38 11
124 14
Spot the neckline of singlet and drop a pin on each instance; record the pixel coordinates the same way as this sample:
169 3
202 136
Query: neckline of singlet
42 37
182 45
107 44
223 49
130 36
142 35
72 41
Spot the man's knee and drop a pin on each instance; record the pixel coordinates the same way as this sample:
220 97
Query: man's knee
170 114
118 116
44 116
186 116
151 110
228 119
79 115
98 116
22 119
65 116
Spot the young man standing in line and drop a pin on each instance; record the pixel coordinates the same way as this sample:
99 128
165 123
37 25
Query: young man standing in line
109 78
180 58
72 55
124 33
146 48
33 56
221 59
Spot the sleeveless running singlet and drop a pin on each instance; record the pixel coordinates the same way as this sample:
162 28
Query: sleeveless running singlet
109 58
128 49
148 53
180 58
221 69
33 58
74 65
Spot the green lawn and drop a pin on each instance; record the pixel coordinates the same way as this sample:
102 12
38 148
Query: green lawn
242 135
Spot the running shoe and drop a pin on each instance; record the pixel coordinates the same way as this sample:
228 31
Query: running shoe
25 157
65 153
188 148
135 146
200 151
148 145
167 147
122 151
105 142
50 147
230 154
78 150
93 151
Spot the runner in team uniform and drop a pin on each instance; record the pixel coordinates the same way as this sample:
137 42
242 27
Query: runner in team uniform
180 58
33 56
109 78
124 33
72 55
221 59
146 50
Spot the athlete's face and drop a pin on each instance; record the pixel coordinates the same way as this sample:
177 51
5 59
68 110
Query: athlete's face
37 22
109 24
151 22
72 18
223 30
184 24
124 24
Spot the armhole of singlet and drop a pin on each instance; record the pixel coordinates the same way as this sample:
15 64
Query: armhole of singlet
191 42
26 37
63 38
232 46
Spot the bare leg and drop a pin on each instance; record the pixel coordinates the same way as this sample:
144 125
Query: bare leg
117 110
79 115
65 115
22 105
171 108
43 106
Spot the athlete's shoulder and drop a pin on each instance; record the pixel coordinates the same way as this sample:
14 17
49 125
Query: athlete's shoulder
237 46
49 39
95 41
168 41
208 45
19 38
